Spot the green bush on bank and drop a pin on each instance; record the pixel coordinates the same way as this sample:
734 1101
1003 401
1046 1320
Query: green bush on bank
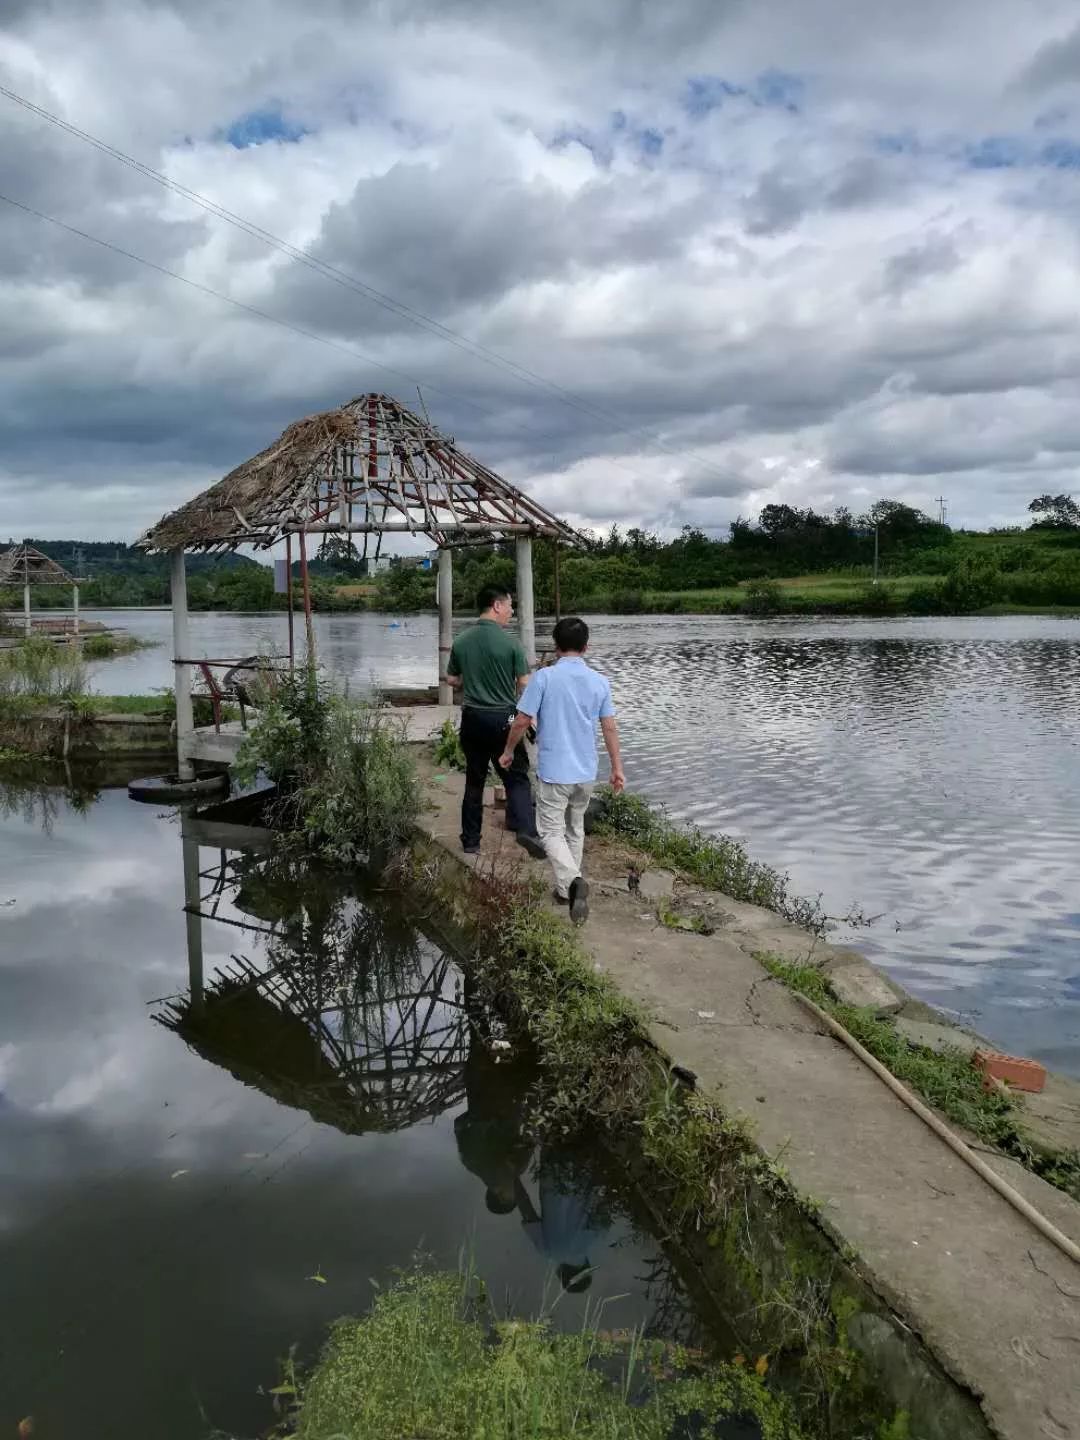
717 861
346 781
40 672
431 1360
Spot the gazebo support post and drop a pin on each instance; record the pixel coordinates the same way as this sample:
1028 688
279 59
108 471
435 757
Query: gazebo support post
446 622
558 580
525 604
75 608
307 600
289 603
185 715
26 607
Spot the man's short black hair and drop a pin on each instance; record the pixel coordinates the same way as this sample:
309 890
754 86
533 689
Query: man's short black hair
571 635
489 594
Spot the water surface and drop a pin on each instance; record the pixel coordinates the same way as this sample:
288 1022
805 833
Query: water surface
197 1177
927 771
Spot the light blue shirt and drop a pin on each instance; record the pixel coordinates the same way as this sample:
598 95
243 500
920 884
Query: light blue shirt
566 700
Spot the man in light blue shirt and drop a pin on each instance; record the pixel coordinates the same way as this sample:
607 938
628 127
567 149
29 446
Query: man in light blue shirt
565 702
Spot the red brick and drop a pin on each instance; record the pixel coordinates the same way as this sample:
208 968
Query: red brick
1016 1071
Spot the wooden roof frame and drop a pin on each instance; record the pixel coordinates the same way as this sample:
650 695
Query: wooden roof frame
23 565
369 467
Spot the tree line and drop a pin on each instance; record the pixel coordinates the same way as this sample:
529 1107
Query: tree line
627 569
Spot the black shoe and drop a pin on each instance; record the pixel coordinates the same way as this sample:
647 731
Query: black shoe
579 901
533 845
560 899
469 849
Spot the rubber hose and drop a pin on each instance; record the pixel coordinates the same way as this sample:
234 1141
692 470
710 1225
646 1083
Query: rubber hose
1005 1190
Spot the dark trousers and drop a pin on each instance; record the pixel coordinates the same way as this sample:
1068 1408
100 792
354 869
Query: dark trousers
483 738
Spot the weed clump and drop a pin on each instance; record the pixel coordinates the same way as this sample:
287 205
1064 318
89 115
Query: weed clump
717 861
346 782
39 672
431 1359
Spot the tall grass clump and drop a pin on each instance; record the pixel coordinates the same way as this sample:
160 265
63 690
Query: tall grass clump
346 781
40 672
716 861
432 1360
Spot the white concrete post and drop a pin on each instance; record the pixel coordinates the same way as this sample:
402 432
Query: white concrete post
26 607
446 622
75 606
185 717
525 604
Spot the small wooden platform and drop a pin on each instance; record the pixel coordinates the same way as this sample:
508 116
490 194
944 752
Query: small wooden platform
420 724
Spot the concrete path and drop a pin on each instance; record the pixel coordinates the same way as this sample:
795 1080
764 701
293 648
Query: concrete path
996 1303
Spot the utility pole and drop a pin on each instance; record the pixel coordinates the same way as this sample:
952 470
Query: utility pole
875 554
942 508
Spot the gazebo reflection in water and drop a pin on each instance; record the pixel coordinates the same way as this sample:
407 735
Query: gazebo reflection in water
332 1004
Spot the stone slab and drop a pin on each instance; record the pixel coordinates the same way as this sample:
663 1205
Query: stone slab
936 1037
861 985
656 885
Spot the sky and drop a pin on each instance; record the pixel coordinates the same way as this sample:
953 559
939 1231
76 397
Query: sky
659 265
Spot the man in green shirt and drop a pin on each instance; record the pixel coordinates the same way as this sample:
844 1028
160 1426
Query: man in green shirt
489 665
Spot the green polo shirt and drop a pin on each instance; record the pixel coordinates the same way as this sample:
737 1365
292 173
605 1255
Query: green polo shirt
490 661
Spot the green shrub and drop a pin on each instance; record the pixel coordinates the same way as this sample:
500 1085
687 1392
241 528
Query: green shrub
763 597
345 778
975 582
879 599
448 749
98 647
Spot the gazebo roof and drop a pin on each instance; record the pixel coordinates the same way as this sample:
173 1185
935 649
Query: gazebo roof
22 565
371 466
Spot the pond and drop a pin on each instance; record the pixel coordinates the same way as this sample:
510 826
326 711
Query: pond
220 1130
927 771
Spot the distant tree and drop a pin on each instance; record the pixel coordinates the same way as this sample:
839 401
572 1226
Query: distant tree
340 555
1055 512
781 520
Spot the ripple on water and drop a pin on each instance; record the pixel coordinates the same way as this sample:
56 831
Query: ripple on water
929 777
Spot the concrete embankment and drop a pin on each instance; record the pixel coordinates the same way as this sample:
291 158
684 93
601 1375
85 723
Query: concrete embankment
994 1302
57 733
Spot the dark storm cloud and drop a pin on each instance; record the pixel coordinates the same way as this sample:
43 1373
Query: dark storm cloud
768 244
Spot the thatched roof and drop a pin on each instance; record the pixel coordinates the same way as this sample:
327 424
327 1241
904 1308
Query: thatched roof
22 564
368 467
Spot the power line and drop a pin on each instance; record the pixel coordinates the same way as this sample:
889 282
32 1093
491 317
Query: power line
361 287
274 319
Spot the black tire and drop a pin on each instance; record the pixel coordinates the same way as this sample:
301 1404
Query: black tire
171 790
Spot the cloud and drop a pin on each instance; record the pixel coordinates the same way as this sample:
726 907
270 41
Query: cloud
789 254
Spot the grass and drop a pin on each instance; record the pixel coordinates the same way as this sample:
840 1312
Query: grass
432 1360
717 862
945 1079
39 671
161 704
104 646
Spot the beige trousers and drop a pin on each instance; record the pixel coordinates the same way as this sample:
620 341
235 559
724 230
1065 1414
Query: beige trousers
560 820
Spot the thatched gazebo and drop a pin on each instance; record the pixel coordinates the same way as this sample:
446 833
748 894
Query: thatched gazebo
370 468
25 566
